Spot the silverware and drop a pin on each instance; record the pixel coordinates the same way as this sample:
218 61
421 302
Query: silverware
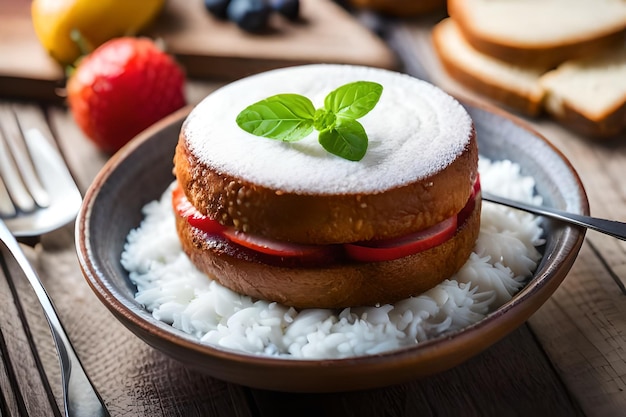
609 227
38 196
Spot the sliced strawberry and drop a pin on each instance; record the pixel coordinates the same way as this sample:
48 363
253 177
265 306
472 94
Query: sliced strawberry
368 251
389 249
395 248
256 243
272 246
194 217
471 203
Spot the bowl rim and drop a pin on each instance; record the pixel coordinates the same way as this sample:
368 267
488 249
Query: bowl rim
496 324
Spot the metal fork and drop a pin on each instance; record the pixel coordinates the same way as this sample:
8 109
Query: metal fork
38 195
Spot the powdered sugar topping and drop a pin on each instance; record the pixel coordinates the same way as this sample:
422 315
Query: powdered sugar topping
414 131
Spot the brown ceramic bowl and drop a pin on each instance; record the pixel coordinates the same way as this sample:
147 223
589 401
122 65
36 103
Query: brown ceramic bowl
142 170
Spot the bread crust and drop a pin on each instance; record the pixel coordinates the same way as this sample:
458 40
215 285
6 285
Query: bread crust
528 104
609 126
326 219
337 285
548 54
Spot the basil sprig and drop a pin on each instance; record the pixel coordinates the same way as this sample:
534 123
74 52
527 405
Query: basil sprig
292 117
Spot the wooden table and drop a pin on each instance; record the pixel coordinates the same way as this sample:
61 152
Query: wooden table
568 360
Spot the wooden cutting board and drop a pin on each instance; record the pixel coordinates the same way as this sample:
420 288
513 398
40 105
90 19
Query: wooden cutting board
205 46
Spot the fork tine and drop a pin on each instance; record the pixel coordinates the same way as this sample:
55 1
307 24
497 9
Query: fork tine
22 154
16 190
7 209
20 177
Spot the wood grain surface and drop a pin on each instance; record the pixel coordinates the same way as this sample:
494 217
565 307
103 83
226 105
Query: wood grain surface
569 360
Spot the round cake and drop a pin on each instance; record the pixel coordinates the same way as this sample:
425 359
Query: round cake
293 223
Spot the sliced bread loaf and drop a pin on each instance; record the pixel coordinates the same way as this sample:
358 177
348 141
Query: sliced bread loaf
545 32
514 86
587 95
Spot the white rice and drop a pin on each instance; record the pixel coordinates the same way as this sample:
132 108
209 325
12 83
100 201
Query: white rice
170 287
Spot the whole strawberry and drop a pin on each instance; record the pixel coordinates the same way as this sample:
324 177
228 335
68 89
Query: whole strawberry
121 88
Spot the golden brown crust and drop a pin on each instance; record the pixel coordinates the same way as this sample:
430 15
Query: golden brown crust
610 125
339 285
325 219
511 98
548 55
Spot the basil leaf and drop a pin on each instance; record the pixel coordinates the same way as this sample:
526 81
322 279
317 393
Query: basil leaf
354 100
286 117
291 117
347 140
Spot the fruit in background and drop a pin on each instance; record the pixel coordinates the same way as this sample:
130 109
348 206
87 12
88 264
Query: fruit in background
96 21
288 8
121 88
252 15
249 15
217 7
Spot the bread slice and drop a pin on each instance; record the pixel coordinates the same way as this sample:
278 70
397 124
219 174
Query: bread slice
545 32
589 95
516 87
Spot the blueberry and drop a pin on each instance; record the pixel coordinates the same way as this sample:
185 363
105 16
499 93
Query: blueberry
288 8
217 7
249 15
